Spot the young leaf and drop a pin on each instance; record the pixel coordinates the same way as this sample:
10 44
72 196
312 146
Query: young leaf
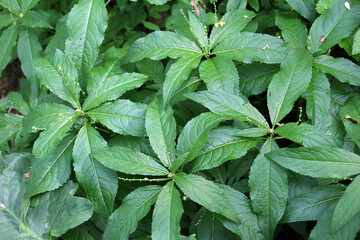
86 24
229 105
321 162
7 43
193 137
28 4
305 8
112 88
161 128
59 76
12 5
129 161
289 83
121 116
99 182
348 205
167 214
311 204
161 44
303 134
134 207
252 47
292 29
351 109
335 24
177 74
53 170
255 78
220 73
200 31
342 69
268 189
232 23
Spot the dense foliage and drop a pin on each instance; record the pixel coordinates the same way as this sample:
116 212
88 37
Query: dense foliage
234 119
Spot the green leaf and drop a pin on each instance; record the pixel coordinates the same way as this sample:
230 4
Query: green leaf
299 184
58 211
232 23
356 44
305 8
129 161
250 132
220 147
220 73
167 214
348 205
252 47
99 182
59 76
323 5
157 2
161 44
7 44
318 99
311 204
141 144
293 30
53 170
229 105
12 5
268 189
220 199
289 83
335 24
194 135
161 128
58 40
10 124
177 74
111 88
28 4
86 24
17 101
303 134
45 114
121 116
322 162
154 69
34 19
351 108
200 31
5 20
53 134
342 69
134 207
255 78
77 233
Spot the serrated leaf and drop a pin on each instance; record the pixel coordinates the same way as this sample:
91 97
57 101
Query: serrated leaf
33 19
351 109
303 134
229 105
59 76
161 44
7 43
129 161
219 198
167 214
335 24
292 30
268 189
321 162
250 132
255 78
348 205
194 135
177 74
53 170
112 88
59 38
318 99
161 128
232 23
221 146
342 69
12 5
99 182
220 73
252 47
133 208
121 116
86 25
305 8
289 83
200 31
28 4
